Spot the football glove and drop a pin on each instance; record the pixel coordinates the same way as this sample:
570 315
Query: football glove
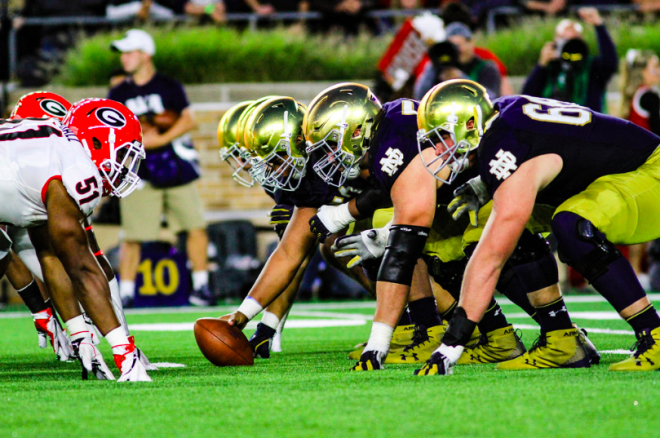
330 219
49 329
437 365
469 197
280 216
368 245
91 360
369 361
91 328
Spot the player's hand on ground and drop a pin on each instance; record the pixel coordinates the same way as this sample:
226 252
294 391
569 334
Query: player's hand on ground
280 216
469 197
368 245
236 319
49 329
330 219
437 365
91 360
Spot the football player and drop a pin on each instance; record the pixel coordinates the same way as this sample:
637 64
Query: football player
51 186
600 174
420 230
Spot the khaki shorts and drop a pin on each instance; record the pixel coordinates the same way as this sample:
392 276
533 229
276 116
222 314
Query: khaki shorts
141 212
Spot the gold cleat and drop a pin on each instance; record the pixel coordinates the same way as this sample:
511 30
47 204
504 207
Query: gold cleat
424 343
555 349
646 356
402 337
496 346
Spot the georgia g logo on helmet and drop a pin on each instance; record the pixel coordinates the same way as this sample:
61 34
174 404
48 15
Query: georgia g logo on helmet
53 108
111 117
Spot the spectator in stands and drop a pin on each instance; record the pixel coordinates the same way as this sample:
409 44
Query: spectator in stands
168 171
566 71
473 67
213 9
347 15
546 7
139 9
647 5
640 103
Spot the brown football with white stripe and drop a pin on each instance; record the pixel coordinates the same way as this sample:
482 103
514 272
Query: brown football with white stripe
222 344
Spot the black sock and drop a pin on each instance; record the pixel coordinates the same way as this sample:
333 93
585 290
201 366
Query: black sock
493 319
31 295
424 312
644 319
405 318
447 314
554 316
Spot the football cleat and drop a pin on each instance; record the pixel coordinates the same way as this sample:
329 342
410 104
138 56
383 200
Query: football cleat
91 359
276 344
437 365
555 349
143 358
496 346
49 329
130 366
424 343
646 356
592 352
402 337
369 361
202 297
261 341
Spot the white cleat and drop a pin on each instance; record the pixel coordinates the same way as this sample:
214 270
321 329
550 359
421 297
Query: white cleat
276 343
130 365
91 359
49 329
143 358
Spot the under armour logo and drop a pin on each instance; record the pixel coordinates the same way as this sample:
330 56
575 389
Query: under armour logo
392 162
552 313
504 165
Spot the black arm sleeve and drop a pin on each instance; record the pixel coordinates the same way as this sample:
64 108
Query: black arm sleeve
370 200
650 101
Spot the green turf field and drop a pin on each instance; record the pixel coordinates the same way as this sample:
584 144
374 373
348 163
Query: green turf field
307 390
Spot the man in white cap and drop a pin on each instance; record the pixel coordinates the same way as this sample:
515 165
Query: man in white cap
168 171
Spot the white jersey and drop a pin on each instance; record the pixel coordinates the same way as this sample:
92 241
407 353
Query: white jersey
33 152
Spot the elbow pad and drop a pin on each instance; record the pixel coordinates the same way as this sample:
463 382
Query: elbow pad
404 248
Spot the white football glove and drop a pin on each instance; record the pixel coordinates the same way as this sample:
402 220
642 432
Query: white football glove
91 328
49 329
335 217
469 197
368 245
91 359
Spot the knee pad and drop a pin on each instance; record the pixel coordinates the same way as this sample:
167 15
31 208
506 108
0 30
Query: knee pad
532 262
404 247
449 275
582 246
371 267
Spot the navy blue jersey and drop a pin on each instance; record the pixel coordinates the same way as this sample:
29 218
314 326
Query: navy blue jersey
590 144
159 94
394 142
314 192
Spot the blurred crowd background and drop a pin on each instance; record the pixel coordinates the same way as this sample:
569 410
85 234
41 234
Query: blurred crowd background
417 43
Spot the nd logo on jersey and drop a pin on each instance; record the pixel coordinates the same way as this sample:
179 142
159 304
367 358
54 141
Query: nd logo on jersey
392 162
504 165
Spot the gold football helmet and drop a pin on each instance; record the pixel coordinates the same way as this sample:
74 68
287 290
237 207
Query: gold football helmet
231 151
450 107
273 135
337 127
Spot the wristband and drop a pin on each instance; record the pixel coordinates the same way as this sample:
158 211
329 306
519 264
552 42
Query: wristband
250 307
208 9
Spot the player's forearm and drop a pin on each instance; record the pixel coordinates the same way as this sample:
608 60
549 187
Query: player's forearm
93 292
478 286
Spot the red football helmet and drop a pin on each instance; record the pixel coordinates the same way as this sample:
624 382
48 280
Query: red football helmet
40 104
113 136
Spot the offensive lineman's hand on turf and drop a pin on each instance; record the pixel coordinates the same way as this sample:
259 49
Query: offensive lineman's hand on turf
236 319
469 197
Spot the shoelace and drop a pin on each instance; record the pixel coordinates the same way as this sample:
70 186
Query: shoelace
420 336
541 341
644 342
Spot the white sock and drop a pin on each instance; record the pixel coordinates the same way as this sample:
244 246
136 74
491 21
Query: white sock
200 279
116 303
77 328
380 338
126 289
117 340
270 319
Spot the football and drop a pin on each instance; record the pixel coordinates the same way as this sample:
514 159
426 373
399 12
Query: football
222 344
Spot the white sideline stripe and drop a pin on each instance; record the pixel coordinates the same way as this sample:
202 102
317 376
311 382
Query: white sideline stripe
590 330
597 315
294 323
626 352
168 365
